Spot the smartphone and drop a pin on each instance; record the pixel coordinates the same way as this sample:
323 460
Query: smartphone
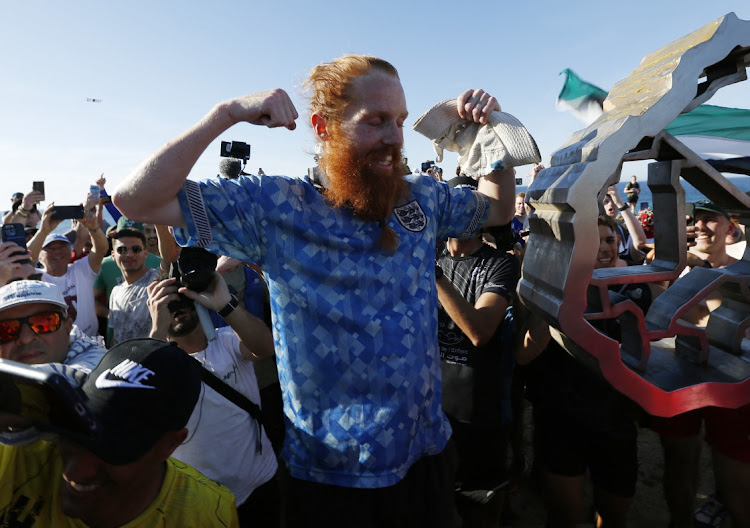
44 397
14 233
64 212
690 213
38 186
94 189
106 200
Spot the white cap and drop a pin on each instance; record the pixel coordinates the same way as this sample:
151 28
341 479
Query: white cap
27 291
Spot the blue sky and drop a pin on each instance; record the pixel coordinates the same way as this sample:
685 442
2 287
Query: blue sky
159 66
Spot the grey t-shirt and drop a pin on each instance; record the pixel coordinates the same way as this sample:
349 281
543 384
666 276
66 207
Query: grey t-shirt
128 312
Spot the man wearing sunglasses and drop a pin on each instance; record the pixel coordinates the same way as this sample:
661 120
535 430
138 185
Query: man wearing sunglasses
35 327
128 312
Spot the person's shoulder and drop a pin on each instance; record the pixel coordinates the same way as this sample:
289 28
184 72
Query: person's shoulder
188 494
187 477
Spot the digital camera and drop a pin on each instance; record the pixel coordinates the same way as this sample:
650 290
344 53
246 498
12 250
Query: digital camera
194 270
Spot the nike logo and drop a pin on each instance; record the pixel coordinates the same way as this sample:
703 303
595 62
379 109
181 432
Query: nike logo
129 374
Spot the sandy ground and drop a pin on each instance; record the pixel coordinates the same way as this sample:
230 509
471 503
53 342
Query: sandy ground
648 509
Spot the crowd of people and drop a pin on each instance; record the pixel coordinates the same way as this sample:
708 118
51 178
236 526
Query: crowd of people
343 350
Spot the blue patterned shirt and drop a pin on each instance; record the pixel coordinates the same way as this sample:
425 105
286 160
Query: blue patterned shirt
355 329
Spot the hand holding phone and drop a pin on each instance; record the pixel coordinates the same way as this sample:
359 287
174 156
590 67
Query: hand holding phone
39 187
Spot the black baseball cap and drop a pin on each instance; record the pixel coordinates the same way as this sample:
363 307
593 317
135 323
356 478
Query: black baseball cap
140 390
705 205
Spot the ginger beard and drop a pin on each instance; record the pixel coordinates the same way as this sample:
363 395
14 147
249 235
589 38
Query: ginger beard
354 184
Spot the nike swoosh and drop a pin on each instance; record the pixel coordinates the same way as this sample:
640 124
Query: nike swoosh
103 383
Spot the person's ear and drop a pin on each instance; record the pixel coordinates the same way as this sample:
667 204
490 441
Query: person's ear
319 126
169 442
68 325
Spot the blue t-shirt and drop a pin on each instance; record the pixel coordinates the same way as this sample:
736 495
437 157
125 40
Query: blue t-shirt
355 329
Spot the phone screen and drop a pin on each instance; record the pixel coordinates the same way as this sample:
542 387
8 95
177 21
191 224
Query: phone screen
38 186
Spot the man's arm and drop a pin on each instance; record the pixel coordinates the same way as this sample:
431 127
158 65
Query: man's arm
637 234
99 244
256 340
47 225
167 169
480 321
500 188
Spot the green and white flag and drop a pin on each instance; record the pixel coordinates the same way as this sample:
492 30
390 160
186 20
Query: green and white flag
581 98
714 132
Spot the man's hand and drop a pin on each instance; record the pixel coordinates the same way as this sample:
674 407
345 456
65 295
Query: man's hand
101 181
477 105
160 294
31 199
10 262
48 223
272 108
215 297
614 193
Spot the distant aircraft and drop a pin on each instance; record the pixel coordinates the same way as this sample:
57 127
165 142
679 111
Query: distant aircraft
91 100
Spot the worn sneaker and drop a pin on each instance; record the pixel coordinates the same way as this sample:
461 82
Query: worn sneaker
710 514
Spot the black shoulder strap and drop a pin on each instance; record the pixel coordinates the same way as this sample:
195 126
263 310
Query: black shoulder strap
234 396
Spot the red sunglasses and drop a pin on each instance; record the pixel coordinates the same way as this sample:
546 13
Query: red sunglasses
40 323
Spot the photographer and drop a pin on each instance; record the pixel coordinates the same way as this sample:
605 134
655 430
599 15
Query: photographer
226 444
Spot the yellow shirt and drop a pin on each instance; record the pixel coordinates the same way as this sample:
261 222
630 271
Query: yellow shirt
30 494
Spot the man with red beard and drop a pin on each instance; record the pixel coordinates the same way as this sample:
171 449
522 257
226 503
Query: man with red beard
351 276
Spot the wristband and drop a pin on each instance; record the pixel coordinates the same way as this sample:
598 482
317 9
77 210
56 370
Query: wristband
229 307
623 207
22 211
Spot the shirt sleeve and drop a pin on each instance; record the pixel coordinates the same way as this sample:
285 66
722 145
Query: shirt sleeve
222 216
461 211
502 277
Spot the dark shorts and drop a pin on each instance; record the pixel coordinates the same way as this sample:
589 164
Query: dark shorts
424 497
567 448
727 430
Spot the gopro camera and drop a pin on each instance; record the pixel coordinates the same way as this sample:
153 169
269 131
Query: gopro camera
235 149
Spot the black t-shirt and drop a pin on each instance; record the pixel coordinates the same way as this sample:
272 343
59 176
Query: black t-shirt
476 380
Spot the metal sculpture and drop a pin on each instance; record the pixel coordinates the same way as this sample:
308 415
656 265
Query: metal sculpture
664 364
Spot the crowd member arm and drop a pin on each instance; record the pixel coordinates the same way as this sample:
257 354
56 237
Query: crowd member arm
99 243
478 322
47 225
637 234
21 214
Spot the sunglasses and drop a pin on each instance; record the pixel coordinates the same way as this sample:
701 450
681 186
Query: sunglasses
40 323
121 250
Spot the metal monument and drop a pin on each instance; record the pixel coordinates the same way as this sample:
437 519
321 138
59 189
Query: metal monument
663 363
